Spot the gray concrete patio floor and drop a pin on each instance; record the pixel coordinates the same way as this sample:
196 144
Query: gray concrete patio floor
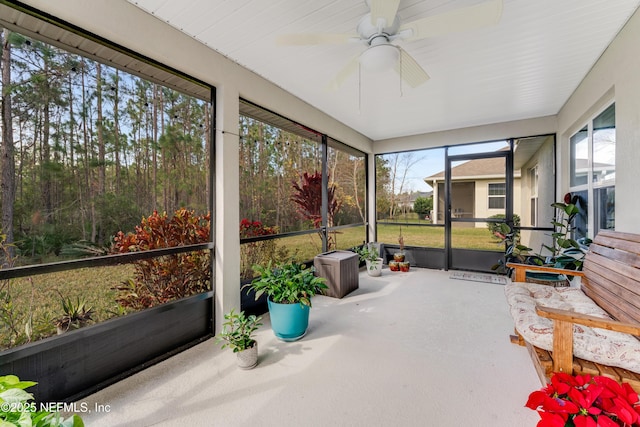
405 349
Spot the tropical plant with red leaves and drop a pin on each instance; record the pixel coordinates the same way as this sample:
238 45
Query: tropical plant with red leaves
165 278
585 401
308 198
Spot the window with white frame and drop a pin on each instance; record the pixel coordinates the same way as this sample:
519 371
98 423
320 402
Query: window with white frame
593 173
497 195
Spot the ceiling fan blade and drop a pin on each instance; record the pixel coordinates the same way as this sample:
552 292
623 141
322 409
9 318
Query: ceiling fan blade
343 74
410 71
383 9
303 39
468 18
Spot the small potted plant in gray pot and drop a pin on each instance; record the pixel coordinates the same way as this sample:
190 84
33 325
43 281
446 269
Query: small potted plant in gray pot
237 334
289 288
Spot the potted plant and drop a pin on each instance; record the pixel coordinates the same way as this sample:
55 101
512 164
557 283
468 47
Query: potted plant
566 252
369 254
399 256
237 334
76 315
289 288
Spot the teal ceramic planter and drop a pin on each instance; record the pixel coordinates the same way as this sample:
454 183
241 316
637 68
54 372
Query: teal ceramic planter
288 321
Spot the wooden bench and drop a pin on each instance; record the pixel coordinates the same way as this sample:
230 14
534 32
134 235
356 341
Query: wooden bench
611 278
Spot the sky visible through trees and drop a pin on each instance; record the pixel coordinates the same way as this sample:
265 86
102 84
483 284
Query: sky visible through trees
94 148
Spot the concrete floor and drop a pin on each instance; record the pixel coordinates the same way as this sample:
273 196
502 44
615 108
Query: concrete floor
405 349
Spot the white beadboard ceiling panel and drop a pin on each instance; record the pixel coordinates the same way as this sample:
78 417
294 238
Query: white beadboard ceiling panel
525 66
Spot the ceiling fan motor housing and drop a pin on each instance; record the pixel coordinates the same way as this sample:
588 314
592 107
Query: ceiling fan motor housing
369 32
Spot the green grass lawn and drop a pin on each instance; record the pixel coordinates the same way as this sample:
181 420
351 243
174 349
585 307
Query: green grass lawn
36 300
433 237
306 247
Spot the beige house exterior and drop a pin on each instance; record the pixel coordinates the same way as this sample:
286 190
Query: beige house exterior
533 189
471 185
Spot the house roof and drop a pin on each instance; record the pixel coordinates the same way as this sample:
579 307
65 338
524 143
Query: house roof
474 169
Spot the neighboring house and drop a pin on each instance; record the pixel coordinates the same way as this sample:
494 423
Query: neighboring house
479 189
407 200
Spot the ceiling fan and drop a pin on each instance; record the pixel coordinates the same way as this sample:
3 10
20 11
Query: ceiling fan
381 28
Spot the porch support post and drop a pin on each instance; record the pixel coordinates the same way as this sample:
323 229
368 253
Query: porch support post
227 204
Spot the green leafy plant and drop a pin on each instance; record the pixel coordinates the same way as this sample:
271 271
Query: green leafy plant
565 251
288 283
237 331
166 278
423 206
17 408
367 252
76 314
496 228
514 251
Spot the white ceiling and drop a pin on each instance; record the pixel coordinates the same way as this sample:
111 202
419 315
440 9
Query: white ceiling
526 66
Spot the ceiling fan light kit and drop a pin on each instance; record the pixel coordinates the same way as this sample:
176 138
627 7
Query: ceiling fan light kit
380 57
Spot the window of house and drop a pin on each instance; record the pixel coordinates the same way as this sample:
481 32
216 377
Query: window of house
593 173
497 195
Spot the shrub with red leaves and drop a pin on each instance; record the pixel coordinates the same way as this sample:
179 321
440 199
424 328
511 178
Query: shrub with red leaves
308 198
169 277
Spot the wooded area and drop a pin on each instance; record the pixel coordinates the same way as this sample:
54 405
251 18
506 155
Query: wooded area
87 149
92 149
273 162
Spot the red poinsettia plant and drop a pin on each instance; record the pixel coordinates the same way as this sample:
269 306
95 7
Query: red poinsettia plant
585 401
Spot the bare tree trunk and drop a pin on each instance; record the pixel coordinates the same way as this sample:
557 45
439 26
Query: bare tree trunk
356 195
155 147
101 157
46 150
7 183
116 133
83 191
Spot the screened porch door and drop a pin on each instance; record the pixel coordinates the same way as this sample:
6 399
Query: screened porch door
478 191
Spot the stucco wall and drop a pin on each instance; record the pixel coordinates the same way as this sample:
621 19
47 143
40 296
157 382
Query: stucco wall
614 77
